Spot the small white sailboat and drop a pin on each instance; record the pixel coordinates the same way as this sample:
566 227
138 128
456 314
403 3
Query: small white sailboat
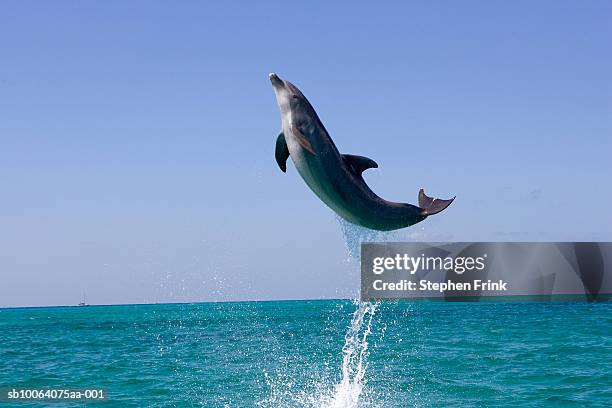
82 302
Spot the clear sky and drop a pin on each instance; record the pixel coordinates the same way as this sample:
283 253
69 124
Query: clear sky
137 138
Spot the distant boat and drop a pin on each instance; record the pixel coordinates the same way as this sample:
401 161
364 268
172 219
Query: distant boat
82 302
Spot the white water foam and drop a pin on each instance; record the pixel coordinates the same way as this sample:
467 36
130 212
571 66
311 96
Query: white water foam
351 390
354 358
318 391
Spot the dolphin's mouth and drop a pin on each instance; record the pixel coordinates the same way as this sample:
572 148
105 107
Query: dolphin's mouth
276 81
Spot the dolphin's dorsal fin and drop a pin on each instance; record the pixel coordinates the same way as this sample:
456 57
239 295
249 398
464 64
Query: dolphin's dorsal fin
358 164
281 152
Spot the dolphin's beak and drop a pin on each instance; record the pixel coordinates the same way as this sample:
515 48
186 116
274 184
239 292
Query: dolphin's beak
276 81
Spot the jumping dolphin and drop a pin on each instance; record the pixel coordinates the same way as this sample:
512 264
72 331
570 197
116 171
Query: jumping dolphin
336 178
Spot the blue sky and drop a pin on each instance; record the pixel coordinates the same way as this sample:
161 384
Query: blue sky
137 138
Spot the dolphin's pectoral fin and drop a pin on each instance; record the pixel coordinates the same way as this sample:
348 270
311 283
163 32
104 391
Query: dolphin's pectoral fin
302 140
282 152
431 206
358 164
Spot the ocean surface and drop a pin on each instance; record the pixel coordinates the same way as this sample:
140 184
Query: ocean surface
315 354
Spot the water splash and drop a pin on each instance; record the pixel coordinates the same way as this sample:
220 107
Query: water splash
354 358
355 235
307 388
351 390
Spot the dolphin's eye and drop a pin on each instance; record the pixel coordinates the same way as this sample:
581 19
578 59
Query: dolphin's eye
294 96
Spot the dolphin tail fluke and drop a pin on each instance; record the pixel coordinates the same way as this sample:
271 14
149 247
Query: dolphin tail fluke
431 206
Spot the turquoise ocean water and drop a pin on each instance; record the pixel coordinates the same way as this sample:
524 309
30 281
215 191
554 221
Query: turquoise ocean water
315 353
